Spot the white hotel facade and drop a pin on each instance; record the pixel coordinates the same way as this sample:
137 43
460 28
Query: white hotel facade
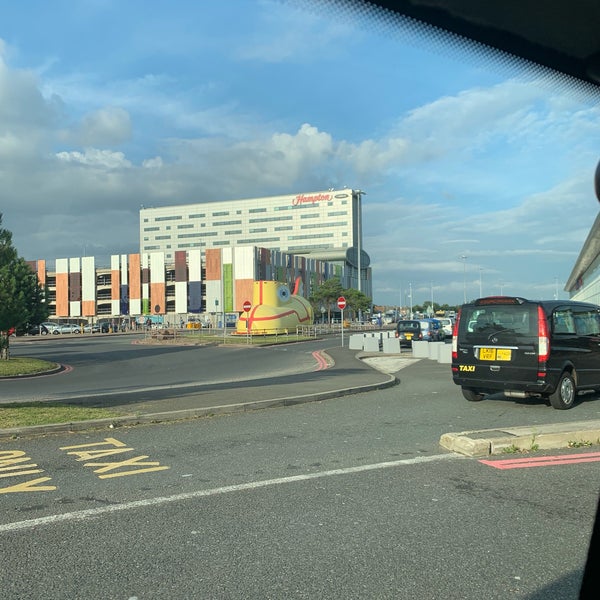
324 226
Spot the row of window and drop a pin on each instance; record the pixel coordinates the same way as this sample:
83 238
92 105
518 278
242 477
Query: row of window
319 225
224 213
261 220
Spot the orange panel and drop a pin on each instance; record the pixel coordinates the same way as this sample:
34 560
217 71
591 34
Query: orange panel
115 285
62 294
41 271
212 257
88 308
243 292
135 274
157 298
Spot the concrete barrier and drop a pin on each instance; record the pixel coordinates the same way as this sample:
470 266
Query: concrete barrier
357 341
371 344
445 355
434 349
391 345
420 349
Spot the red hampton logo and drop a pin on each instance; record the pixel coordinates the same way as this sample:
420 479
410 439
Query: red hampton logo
303 199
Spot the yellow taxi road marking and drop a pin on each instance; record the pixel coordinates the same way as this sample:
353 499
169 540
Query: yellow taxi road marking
30 486
82 515
112 447
12 465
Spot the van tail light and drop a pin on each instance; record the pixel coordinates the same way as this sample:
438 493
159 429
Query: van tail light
455 336
543 339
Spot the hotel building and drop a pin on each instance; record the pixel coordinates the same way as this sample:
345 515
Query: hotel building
202 259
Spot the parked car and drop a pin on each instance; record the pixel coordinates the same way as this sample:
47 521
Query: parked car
432 330
68 328
40 329
408 330
548 349
447 326
50 326
91 328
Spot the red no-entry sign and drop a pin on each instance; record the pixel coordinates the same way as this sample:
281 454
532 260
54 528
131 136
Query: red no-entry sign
247 305
341 302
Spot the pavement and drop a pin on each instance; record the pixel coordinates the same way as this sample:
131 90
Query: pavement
340 372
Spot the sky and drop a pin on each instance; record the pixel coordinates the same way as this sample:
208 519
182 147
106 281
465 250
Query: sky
478 178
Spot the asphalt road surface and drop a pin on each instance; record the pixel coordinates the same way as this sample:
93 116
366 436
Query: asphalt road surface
347 498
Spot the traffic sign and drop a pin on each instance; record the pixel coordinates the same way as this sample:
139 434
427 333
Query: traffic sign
247 305
341 302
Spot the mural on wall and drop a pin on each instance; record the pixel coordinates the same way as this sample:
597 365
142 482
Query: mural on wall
275 310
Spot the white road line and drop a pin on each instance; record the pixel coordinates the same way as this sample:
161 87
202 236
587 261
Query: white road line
81 515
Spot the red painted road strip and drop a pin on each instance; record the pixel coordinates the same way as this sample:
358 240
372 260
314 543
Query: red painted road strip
321 362
542 461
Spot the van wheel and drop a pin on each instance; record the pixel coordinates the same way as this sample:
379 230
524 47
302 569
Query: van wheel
471 395
564 395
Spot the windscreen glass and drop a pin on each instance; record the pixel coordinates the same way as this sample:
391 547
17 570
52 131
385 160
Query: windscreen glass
517 320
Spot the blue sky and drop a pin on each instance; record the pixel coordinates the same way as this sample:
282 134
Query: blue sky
107 105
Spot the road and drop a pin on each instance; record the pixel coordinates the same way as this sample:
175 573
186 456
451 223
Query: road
348 498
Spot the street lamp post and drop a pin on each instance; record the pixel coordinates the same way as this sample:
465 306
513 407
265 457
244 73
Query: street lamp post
464 259
359 194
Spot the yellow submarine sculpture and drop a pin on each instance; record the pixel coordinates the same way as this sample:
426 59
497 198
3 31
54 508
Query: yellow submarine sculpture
275 310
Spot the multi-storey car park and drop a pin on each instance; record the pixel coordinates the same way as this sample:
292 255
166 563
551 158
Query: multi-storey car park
202 259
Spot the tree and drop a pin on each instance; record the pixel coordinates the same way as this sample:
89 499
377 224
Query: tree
326 294
357 301
22 298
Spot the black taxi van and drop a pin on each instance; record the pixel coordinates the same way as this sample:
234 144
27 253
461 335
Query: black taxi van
548 349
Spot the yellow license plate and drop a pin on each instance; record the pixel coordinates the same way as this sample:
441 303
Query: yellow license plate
495 354
408 336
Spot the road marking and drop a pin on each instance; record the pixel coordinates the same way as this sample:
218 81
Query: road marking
11 465
322 362
81 515
542 461
85 452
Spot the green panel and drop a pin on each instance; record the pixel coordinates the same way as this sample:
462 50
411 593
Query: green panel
228 287
146 306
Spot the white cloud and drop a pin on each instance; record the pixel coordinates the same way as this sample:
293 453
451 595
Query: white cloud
96 158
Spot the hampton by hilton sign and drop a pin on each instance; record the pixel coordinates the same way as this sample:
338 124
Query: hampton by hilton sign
314 198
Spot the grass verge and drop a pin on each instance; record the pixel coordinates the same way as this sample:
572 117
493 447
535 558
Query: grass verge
48 413
13 367
41 413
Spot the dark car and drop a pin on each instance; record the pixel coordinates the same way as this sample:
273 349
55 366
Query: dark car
32 330
408 330
548 349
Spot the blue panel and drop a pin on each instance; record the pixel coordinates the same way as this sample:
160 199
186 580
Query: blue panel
195 296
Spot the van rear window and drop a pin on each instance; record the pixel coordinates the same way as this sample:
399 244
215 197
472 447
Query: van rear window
520 319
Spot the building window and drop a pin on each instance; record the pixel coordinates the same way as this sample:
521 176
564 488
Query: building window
196 235
257 210
221 213
171 218
223 223
321 225
151 228
259 240
270 219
